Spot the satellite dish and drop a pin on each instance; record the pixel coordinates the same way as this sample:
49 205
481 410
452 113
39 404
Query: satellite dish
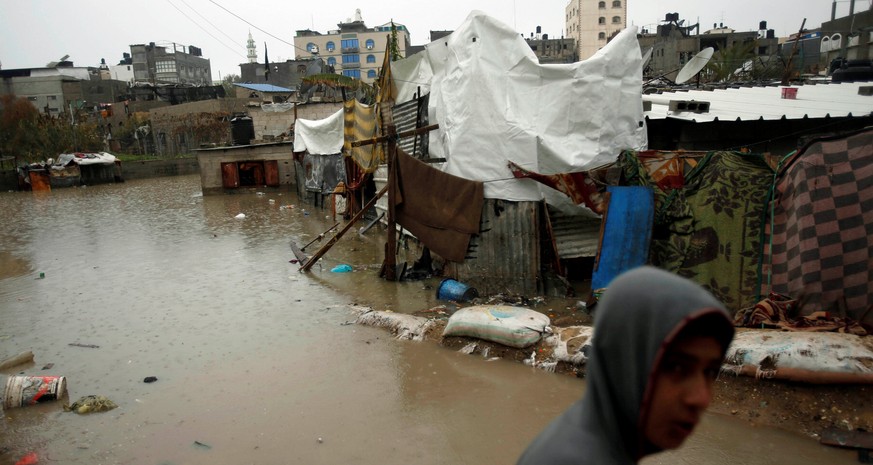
647 56
694 65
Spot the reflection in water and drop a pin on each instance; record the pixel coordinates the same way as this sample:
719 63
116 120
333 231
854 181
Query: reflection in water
253 358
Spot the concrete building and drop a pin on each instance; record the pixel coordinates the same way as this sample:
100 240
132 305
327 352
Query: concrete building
849 37
62 88
593 22
173 64
674 44
123 71
550 50
229 169
353 50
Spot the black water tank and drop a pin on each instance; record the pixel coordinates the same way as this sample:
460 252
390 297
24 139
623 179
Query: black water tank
242 130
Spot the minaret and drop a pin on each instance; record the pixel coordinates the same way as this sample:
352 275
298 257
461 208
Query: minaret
252 50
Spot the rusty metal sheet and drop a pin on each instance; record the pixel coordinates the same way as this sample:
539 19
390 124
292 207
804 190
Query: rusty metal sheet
576 236
271 173
229 175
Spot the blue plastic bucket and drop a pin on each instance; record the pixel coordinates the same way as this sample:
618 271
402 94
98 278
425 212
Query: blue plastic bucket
449 289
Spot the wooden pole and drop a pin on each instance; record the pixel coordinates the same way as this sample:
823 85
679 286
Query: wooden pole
323 250
389 267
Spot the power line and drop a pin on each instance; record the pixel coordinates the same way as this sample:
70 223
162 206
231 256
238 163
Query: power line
210 23
204 30
256 27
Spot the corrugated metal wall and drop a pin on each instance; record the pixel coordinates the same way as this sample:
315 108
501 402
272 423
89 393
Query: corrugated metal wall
505 257
576 236
410 115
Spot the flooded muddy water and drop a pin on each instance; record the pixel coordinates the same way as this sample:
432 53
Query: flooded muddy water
255 361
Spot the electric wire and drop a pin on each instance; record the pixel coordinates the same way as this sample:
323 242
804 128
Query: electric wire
204 30
232 40
256 27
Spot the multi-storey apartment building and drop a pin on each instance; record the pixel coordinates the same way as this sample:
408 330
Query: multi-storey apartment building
163 64
593 22
354 49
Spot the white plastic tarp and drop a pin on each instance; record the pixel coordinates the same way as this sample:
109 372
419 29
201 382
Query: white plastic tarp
319 137
494 103
102 158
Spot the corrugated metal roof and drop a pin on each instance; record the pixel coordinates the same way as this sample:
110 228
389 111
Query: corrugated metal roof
575 235
263 87
766 103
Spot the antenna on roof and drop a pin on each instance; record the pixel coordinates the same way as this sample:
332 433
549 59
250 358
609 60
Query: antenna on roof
694 65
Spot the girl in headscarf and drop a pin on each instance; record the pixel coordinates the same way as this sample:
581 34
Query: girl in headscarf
657 348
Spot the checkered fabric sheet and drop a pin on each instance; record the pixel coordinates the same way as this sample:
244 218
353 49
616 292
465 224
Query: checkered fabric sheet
822 228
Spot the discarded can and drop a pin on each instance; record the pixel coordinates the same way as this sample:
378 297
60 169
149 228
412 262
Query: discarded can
29 390
449 289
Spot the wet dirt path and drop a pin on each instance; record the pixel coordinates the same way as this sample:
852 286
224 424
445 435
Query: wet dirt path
255 361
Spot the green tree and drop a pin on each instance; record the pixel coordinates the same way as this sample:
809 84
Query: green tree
727 63
32 137
227 83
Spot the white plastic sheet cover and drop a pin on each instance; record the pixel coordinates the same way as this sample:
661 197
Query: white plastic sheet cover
494 102
277 107
319 137
102 158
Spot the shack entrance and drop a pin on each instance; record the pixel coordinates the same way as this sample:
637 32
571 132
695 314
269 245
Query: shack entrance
252 173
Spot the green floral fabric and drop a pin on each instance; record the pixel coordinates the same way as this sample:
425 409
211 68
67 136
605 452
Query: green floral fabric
710 230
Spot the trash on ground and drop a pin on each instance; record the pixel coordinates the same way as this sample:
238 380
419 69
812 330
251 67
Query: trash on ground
240 216
41 275
150 379
25 390
48 366
511 326
341 269
15 360
202 445
87 346
29 459
90 404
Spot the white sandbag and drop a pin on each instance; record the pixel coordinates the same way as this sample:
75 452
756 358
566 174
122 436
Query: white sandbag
812 351
511 326
403 326
571 344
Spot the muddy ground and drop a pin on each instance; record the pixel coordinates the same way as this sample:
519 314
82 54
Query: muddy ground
803 408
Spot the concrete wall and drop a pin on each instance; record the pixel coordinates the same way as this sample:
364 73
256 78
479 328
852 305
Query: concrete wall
271 125
210 161
159 168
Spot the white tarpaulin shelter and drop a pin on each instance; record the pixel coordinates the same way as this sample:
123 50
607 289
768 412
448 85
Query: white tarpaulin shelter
319 137
495 103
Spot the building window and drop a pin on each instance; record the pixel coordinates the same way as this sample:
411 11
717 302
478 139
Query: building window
371 58
352 73
601 20
165 66
349 43
601 36
351 59
371 73
370 44
311 48
330 46
331 61
616 19
32 99
616 3
601 5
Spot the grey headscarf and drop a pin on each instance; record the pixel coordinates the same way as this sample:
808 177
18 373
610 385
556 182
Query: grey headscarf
639 315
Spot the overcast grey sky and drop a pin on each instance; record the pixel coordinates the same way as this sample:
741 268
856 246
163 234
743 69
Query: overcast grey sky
35 32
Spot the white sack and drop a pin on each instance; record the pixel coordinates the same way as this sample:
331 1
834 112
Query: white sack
511 326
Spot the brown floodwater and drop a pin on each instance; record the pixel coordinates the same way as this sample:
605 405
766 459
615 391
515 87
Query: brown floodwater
256 362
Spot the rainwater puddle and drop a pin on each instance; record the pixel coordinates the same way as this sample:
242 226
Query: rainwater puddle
254 360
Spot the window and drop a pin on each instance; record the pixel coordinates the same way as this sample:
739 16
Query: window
601 20
601 36
616 3
616 19
330 46
165 66
371 58
349 43
352 73
52 97
351 59
371 73
311 48
601 5
370 44
32 99
331 61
